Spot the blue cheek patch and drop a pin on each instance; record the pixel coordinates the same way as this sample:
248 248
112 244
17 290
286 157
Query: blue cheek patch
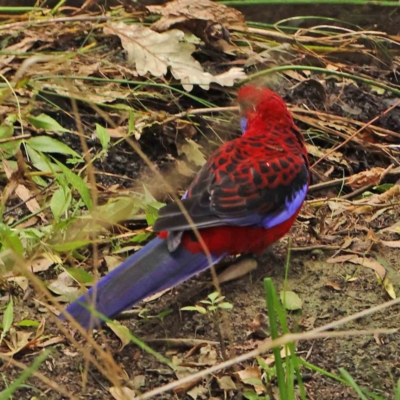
243 124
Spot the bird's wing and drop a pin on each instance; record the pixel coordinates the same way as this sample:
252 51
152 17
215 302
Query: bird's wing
240 185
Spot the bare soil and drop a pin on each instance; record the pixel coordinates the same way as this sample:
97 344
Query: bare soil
373 362
325 288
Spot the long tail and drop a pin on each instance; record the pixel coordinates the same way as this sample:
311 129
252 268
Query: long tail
148 271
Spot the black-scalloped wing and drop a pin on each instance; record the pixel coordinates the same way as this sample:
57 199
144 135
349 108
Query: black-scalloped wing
243 182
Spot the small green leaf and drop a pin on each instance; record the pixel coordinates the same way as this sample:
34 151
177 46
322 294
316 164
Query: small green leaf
253 381
131 121
191 149
44 121
141 237
103 135
122 332
151 215
151 206
117 209
199 309
9 239
6 131
69 246
41 161
47 144
80 275
8 319
383 187
150 200
251 395
291 301
28 322
164 313
77 183
213 296
60 202
225 306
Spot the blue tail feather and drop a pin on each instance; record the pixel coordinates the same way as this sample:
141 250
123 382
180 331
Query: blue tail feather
148 271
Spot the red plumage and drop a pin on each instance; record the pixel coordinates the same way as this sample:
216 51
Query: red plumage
255 172
245 197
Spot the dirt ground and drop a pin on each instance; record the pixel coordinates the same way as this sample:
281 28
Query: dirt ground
372 362
329 291
326 290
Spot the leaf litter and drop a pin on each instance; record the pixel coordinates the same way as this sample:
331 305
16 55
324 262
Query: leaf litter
173 53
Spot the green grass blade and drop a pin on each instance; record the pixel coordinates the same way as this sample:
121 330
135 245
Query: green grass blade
351 382
397 391
272 303
7 393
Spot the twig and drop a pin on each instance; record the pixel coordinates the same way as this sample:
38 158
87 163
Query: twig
341 181
11 209
316 247
30 23
357 132
356 192
15 138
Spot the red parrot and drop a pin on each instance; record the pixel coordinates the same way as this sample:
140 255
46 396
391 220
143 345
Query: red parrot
246 197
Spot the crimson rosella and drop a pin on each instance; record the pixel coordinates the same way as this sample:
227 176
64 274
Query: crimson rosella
246 197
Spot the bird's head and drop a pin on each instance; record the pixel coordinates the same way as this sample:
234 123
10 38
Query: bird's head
259 105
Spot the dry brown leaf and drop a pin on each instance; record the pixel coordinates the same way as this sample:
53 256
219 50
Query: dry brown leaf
41 264
26 195
237 270
183 169
22 191
122 393
50 342
249 376
363 261
157 53
88 93
391 243
21 281
395 228
372 176
178 11
19 340
198 391
271 359
226 383
112 262
367 209
28 223
333 285
64 285
181 390
11 52
138 381
378 339
382 198
192 151
389 288
121 331
208 355
326 154
155 296
259 327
